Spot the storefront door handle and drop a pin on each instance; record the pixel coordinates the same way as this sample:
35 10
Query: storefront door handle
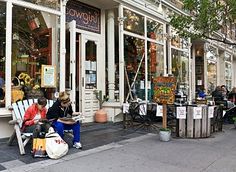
71 85
82 81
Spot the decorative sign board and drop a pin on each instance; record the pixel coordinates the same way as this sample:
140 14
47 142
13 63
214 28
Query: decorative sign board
181 112
164 90
211 111
87 17
197 112
48 78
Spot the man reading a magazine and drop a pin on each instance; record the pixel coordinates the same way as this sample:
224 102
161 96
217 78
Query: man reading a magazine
60 113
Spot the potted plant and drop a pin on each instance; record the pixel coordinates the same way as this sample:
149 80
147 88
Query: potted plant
165 134
101 114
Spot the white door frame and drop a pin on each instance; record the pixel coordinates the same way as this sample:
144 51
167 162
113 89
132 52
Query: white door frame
71 26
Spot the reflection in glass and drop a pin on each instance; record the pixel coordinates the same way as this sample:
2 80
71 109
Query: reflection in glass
133 22
91 65
211 75
134 56
34 43
154 30
155 65
228 75
180 68
55 4
178 42
2 50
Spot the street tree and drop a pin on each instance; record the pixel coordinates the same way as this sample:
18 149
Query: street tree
207 19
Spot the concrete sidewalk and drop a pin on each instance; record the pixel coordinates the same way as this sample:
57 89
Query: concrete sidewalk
147 153
92 135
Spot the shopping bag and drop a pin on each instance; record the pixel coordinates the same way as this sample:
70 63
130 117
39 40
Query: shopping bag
56 147
39 148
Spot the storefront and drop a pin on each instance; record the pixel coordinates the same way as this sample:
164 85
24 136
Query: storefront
29 39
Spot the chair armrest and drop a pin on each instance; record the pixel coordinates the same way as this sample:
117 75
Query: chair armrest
13 122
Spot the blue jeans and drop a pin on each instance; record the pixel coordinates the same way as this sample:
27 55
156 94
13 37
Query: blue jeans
60 127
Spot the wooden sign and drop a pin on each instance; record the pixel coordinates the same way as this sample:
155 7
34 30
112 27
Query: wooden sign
164 89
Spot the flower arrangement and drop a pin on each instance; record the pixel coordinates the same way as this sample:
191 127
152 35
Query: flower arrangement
26 80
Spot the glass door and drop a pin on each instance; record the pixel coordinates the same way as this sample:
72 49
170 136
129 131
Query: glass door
89 59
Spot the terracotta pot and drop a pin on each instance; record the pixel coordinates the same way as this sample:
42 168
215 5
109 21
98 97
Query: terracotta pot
100 116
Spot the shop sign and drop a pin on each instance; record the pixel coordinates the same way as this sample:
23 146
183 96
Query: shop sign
86 17
181 112
164 89
48 78
197 112
159 110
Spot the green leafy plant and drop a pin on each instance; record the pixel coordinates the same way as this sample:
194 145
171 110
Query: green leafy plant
165 129
101 98
205 17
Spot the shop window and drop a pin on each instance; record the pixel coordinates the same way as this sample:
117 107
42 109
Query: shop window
211 68
155 59
155 30
34 43
2 51
134 56
180 69
228 71
91 65
133 22
177 41
55 4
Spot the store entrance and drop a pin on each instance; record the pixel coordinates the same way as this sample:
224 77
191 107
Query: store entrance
73 61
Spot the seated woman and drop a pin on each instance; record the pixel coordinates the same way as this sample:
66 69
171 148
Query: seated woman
35 118
232 95
62 108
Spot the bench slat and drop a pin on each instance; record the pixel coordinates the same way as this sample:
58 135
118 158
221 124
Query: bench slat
26 104
21 109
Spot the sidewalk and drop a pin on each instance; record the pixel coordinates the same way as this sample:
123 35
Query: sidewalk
92 136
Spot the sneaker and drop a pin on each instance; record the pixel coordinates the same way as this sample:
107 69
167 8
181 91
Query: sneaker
77 145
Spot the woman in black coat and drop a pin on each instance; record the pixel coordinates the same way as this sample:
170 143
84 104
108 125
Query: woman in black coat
62 108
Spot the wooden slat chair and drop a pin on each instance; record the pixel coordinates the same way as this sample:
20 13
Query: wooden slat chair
18 112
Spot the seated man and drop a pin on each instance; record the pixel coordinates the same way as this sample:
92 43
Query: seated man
62 108
35 118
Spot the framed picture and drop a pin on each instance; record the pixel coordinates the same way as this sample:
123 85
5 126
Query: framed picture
48 76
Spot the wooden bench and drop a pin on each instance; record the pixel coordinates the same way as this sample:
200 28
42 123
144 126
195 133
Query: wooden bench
18 112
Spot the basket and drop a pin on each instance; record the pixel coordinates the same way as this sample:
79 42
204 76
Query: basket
18 86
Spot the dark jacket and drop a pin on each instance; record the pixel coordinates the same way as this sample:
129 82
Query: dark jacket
56 111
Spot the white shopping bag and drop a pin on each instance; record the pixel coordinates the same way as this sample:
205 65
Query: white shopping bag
56 147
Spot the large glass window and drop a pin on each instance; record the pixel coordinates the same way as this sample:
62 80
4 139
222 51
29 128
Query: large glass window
34 43
2 51
228 71
155 65
133 22
155 30
178 42
180 69
134 56
55 4
211 68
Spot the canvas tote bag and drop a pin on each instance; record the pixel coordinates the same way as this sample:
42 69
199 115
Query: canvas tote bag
56 147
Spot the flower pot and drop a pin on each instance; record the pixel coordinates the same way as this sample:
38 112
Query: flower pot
165 135
100 116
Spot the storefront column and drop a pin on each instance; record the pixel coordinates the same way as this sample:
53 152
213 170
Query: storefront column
111 54
62 46
8 53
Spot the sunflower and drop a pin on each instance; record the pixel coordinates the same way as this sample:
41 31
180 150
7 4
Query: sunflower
22 76
27 79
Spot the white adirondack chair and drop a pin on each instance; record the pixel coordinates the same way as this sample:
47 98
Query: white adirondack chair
18 112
